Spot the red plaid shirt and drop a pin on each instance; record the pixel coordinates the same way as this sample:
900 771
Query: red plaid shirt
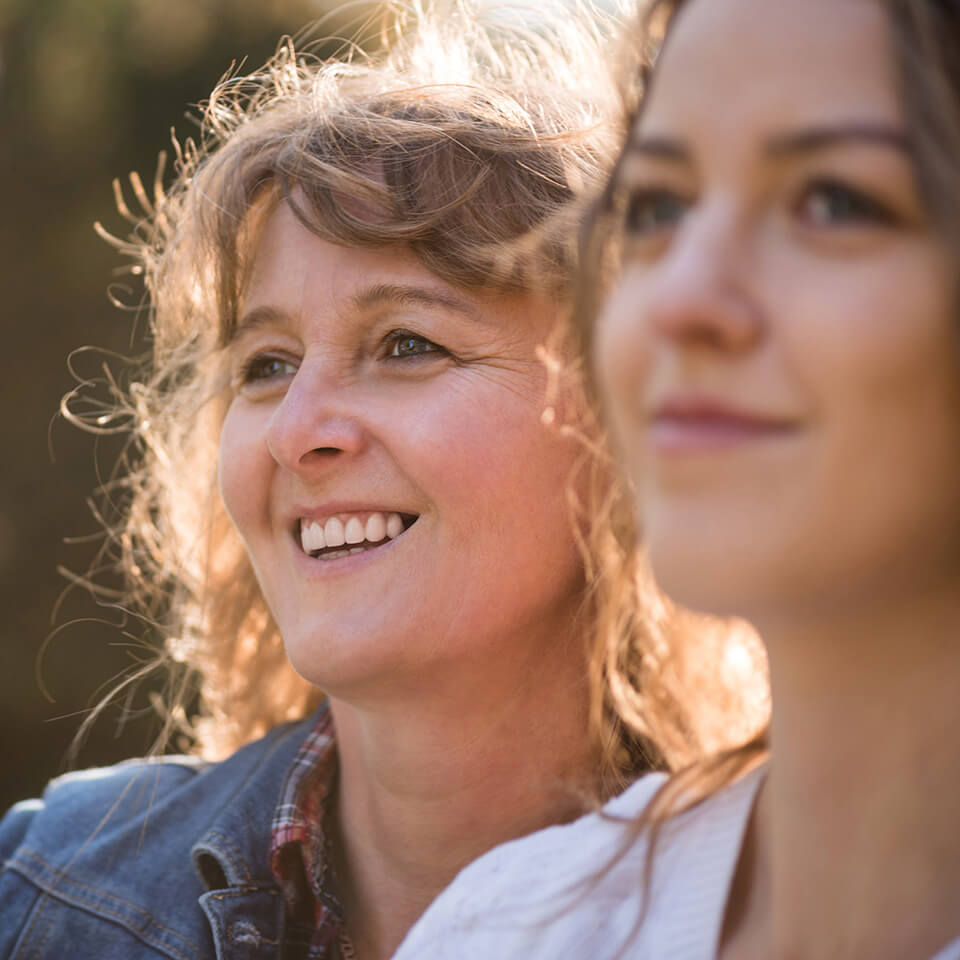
299 854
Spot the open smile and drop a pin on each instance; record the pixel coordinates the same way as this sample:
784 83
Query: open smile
343 534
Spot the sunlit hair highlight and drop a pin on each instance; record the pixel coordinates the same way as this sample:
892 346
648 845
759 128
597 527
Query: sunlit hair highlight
463 140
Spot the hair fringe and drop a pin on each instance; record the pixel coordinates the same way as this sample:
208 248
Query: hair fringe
463 138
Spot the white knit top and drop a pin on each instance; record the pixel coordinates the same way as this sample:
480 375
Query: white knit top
574 891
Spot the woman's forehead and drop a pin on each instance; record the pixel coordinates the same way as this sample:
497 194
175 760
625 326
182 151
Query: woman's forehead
780 63
293 270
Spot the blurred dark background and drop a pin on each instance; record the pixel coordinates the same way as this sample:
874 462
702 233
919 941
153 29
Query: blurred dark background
89 90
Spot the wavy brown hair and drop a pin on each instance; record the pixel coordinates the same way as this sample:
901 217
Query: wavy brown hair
463 141
926 49
470 144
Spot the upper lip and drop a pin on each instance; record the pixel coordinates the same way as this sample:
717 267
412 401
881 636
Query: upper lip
704 407
342 506
322 511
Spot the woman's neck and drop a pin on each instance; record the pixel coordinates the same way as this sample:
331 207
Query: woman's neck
427 786
853 849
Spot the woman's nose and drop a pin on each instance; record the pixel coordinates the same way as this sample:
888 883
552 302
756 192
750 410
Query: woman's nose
699 295
314 425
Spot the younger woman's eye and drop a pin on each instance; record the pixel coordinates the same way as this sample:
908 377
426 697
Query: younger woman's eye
650 210
265 366
402 344
826 203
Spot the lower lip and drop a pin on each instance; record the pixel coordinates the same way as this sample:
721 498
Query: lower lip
691 435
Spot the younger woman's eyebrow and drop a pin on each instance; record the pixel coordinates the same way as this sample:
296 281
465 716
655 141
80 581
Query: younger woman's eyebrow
802 140
658 147
809 139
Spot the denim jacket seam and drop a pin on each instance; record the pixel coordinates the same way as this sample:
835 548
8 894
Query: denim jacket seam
39 923
98 907
241 891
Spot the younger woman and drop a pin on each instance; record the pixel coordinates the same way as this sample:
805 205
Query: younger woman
779 358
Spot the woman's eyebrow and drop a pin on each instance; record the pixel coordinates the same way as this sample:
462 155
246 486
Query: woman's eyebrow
380 294
823 137
804 140
659 147
257 317
375 295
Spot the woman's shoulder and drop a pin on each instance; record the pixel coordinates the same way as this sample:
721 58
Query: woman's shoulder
576 889
103 850
85 796
92 806
77 863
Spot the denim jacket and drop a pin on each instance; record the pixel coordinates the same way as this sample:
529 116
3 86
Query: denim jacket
149 859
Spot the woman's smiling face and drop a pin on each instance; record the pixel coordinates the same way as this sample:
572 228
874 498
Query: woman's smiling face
780 350
376 409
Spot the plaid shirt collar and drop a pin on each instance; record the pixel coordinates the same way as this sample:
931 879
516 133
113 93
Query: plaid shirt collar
299 853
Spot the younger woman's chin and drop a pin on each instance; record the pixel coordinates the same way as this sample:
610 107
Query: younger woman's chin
713 590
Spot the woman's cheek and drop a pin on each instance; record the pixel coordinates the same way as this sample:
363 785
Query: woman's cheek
241 466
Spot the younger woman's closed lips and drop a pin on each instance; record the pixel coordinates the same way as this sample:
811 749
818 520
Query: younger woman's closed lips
699 423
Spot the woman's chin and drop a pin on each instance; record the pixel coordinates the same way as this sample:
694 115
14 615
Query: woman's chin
727 586
338 660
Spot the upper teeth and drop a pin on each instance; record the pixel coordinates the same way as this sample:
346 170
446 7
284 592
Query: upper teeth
348 528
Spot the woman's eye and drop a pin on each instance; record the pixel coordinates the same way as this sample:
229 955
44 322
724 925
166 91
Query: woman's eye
831 203
403 344
265 367
648 211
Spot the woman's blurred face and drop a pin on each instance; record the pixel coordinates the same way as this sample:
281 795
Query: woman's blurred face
780 352
384 460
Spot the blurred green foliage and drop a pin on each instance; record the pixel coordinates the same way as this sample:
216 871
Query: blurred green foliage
89 90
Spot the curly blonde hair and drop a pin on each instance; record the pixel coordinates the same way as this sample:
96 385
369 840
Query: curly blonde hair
460 140
465 142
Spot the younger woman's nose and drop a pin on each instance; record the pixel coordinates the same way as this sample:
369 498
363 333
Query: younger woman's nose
699 292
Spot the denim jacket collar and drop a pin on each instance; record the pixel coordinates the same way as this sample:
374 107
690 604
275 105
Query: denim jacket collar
106 859
243 903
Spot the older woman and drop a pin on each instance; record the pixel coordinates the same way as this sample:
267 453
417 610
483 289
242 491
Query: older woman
346 502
